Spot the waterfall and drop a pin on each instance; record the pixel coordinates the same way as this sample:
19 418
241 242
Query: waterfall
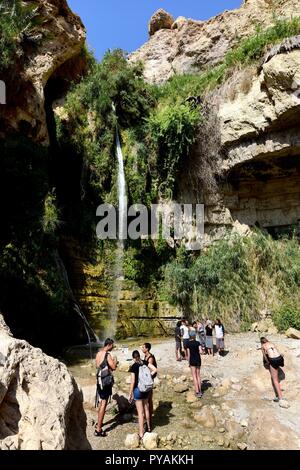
76 308
122 223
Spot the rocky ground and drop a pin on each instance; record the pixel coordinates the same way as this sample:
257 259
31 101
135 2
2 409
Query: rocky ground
236 411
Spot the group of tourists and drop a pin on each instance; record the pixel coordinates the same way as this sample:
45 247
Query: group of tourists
143 372
202 332
192 340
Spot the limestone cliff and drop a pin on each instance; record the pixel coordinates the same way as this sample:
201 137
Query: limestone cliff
51 57
254 135
190 45
40 403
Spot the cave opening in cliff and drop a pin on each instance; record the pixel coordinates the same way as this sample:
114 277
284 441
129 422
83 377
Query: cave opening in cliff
265 193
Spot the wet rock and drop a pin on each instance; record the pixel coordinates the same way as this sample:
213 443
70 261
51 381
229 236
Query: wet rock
196 405
150 440
132 441
205 417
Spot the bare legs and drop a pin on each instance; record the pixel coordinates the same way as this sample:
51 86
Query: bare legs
178 352
142 407
101 413
275 382
150 409
196 378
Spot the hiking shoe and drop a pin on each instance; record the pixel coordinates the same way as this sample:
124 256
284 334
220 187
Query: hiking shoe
276 399
100 433
199 395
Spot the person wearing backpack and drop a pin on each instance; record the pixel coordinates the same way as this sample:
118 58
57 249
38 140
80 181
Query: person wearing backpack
141 385
105 366
149 358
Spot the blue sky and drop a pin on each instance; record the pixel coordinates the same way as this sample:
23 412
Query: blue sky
123 24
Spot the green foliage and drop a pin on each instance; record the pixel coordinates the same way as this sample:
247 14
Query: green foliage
228 279
250 50
174 131
92 122
287 316
50 220
16 22
33 294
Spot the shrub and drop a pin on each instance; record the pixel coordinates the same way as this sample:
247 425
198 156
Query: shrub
16 21
287 316
174 131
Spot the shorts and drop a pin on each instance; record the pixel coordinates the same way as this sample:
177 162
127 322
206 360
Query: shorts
105 393
178 344
209 342
276 362
220 343
185 343
195 363
138 395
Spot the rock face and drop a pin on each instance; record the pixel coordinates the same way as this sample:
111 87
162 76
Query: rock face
160 20
193 45
54 61
40 403
255 115
136 306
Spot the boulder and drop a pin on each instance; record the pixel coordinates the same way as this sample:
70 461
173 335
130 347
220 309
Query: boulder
132 441
179 22
150 440
160 20
191 397
293 333
181 388
234 430
242 446
205 417
172 437
41 406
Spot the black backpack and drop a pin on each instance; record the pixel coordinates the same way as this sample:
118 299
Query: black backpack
104 378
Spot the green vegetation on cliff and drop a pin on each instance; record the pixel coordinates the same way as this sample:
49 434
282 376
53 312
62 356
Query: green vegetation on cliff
17 21
236 279
248 51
